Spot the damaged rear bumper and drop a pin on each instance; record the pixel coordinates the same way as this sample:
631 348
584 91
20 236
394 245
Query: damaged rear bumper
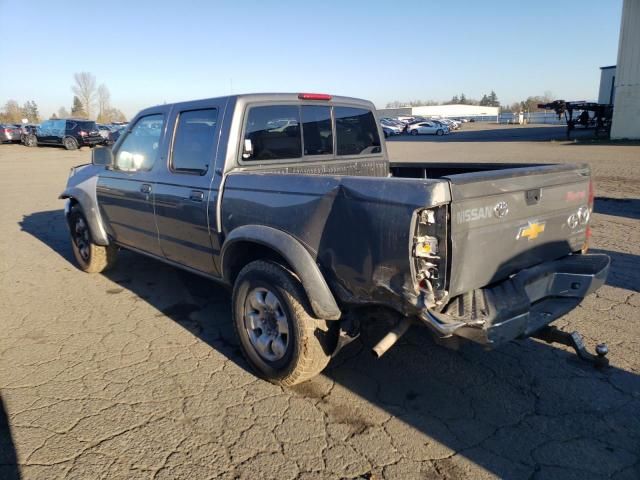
523 304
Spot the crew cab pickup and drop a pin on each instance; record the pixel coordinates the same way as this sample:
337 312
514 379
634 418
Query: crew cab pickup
290 199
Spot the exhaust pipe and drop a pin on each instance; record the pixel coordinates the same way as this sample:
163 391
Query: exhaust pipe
392 337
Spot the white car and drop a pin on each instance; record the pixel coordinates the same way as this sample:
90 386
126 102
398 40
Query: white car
428 128
453 124
390 128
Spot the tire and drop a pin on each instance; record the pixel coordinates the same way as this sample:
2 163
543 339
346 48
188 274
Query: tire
31 141
91 258
439 132
263 293
70 143
414 132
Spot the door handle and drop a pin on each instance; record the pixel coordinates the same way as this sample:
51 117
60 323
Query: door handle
196 196
145 188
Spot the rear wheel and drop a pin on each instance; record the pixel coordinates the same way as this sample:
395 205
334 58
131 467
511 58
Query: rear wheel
277 333
439 132
70 143
91 258
414 132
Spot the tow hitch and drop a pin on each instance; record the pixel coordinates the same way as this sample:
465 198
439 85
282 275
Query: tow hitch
551 334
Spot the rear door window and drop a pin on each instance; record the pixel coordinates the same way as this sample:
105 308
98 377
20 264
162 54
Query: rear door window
194 142
316 130
356 131
272 133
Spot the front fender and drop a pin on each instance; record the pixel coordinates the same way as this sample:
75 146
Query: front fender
82 189
322 300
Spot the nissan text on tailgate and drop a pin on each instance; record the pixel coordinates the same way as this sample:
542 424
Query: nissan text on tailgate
290 200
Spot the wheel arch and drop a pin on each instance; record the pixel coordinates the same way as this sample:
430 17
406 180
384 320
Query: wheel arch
77 196
253 242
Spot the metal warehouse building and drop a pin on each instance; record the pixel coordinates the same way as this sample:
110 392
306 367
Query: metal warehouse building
626 94
446 111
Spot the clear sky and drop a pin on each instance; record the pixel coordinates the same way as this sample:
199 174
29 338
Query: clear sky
149 52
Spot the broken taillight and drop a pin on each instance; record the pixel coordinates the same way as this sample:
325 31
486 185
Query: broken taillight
587 233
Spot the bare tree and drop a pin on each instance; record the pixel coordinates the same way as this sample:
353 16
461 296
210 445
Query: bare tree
12 113
63 113
104 101
85 90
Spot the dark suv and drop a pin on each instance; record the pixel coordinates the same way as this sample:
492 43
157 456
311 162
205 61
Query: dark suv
70 133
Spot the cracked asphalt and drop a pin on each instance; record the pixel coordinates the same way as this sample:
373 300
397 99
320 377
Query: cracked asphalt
136 374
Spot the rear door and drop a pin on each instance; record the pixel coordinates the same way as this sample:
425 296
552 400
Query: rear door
125 192
505 220
186 195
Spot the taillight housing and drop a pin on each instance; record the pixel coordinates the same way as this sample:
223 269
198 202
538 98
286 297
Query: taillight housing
587 233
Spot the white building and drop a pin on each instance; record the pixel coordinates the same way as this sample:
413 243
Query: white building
626 103
445 111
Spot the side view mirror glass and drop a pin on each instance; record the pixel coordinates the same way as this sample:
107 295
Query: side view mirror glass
102 156
247 150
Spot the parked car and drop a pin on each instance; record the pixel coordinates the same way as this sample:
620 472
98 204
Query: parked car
311 233
70 133
390 128
429 128
9 133
452 124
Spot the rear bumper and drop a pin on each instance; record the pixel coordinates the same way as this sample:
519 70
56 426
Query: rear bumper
523 304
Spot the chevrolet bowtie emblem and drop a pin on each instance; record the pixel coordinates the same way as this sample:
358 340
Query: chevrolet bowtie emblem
531 231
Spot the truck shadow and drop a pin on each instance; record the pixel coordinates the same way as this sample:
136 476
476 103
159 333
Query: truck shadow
523 409
8 458
619 207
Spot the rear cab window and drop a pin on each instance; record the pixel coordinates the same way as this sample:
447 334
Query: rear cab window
356 131
307 132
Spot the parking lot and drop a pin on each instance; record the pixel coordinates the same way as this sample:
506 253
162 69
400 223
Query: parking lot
135 373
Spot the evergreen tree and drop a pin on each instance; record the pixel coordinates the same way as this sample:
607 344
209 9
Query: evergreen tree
493 99
78 110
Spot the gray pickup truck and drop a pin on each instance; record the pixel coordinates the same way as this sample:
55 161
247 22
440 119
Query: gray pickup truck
290 199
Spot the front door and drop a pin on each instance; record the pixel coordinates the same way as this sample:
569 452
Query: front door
185 198
126 191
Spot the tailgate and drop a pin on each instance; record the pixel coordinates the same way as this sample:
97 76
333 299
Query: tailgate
505 220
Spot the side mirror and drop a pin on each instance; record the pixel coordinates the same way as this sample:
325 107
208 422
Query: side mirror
247 151
102 156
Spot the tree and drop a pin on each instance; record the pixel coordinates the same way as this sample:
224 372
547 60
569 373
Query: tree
53 117
104 99
63 113
463 99
493 99
78 109
30 112
11 113
85 90
484 101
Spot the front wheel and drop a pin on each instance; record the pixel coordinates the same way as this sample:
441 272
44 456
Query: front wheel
277 333
414 132
91 258
31 141
439 132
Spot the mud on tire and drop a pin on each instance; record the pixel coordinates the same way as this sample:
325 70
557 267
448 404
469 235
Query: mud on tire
309 341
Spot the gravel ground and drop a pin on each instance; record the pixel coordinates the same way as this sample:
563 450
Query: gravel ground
135 374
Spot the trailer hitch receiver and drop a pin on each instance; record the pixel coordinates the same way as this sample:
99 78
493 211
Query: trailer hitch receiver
551 334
